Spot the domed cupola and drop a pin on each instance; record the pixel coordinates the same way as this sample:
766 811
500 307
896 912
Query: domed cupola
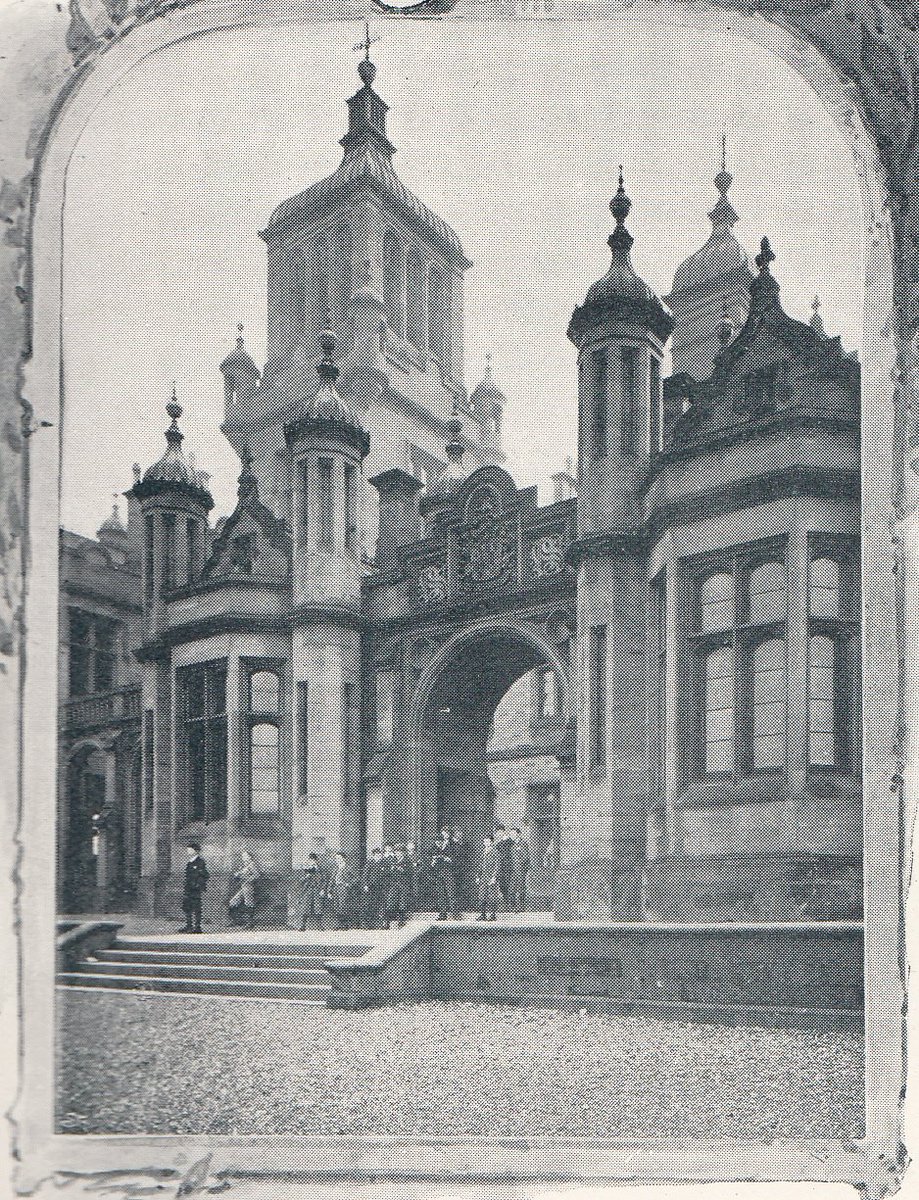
621 293
487 402
240 377
439 496
173 472
712 285
326 414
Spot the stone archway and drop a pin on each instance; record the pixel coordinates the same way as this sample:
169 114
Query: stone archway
450 721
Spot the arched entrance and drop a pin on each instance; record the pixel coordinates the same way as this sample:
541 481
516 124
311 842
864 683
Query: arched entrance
452 719
85 799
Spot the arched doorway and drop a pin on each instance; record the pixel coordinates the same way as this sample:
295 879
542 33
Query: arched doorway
453 715
85 799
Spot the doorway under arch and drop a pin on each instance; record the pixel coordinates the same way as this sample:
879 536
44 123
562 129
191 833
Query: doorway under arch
452 720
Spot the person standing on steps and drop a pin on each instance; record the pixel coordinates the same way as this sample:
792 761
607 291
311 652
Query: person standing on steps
242 902
341 888
488 881
443 876
459 847
520 868
196 877
372 889
505 872
313 889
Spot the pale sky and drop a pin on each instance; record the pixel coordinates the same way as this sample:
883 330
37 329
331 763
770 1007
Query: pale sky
512 132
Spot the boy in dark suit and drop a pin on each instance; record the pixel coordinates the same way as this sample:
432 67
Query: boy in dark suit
196 877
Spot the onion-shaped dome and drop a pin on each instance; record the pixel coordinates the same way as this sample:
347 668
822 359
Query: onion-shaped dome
238 365
486 396
722 255
173 472
440 493
326 414
621 292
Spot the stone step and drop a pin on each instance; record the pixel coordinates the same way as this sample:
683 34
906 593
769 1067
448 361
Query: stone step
317 993
172 970
301 962
197 944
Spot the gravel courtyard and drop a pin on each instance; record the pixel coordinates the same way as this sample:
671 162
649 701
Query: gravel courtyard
155 1064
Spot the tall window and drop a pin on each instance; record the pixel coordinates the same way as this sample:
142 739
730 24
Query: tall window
350 506
597 678
194 548
438 316
739 623
264 741
203 692
149 541
599 408
304 502
657 407
416 300
169 552
302 739
92 643
628 390
393 268
834 677
326 488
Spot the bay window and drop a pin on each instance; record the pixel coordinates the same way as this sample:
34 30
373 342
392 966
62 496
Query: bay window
833 666
203 691
263 739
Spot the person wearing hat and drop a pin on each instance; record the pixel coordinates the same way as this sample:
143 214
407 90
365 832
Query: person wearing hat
196 877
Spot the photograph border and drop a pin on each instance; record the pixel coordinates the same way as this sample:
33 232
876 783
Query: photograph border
861 60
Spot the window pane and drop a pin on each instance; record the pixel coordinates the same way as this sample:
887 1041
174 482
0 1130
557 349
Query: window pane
719 709
218 698
822 710
716 596
263 693
767 593
194 693
824 588
263 772
769 690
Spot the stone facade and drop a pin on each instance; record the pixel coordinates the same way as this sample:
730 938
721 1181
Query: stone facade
655 675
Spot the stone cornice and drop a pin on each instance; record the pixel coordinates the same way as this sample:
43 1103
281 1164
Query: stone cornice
782 422
626 544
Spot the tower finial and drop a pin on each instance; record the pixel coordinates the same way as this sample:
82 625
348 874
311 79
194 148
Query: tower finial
723 216
248 484
328 372
174 435
816 321
724 152
765 257
365 68
620 240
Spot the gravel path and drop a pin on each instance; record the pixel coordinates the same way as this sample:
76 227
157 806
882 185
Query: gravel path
153 1064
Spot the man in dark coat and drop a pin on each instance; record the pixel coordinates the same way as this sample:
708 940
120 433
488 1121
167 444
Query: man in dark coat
504 854
397 888
313 893
196 877
443 876
520 867
372 889
411 859
340 891
488 881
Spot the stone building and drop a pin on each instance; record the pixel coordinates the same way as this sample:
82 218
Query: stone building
656 673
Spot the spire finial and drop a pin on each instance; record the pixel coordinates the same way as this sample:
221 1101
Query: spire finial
723 216
239 335
174 409
816 321
328 372
724 152
488 357
620 240
454 447
365 68
765 257
248 484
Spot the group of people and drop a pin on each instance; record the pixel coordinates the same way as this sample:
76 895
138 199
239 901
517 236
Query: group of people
393 884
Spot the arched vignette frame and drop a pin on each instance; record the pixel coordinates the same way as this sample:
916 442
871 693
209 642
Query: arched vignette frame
860 57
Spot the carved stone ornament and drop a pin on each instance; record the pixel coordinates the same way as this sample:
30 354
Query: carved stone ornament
432 584
547 555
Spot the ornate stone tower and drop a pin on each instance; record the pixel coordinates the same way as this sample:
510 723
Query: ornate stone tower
174 502
326 445
710 287
359 255
620 332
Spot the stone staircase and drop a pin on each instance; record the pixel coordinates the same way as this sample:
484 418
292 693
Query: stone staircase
199 967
